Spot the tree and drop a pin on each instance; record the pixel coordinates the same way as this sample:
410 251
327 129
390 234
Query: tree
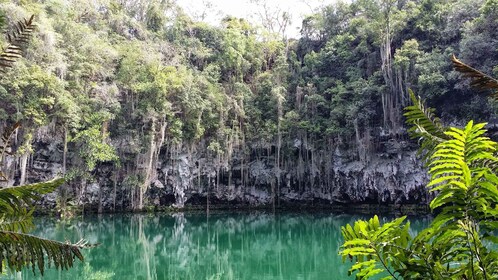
273 18
19 249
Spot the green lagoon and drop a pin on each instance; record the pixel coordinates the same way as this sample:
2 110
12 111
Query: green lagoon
222 245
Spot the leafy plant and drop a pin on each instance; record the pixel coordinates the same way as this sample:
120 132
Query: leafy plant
455 245
461 241
17 248
66 208
371 244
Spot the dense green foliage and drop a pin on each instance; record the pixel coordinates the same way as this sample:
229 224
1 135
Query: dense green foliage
116 85
120 84
19 249
460 243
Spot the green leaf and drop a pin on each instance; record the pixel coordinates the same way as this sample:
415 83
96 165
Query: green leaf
13 199
31 251
356 242
16 40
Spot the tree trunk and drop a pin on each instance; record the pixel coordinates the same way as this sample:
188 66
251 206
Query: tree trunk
24 164
64 154
148 171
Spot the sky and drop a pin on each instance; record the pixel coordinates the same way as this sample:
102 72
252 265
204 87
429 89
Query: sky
245 9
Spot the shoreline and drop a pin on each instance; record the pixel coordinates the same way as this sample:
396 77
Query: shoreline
384 209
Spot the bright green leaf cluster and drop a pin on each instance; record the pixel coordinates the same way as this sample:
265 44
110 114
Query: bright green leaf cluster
372 245
462 239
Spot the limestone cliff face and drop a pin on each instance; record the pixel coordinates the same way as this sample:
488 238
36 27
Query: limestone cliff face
381 180
390 176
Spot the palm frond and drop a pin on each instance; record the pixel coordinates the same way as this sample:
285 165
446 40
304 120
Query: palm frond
21 221
479 80
15 198
424 125
19 250
17 38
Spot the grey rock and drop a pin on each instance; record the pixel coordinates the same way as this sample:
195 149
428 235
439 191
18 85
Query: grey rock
391 175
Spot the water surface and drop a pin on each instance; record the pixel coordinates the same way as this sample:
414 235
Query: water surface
262 246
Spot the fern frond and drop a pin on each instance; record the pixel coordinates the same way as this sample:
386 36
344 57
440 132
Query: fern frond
21 221
17 39
424 125
18 250
479 80
15 198
424 117
456 166
368 242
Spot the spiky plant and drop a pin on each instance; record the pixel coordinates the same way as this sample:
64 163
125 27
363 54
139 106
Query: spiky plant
18 249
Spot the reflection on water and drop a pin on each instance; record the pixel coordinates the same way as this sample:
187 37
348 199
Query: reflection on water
221 246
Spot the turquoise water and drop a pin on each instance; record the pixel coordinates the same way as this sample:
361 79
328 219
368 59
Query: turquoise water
198 246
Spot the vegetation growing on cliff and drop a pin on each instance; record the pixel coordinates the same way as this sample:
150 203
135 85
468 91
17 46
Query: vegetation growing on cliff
18 248
119 86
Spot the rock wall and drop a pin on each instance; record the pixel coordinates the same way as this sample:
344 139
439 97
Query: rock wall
381 180
389 176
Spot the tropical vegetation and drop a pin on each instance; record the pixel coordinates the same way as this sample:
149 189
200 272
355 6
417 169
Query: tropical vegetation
18 249
461 241
114 88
